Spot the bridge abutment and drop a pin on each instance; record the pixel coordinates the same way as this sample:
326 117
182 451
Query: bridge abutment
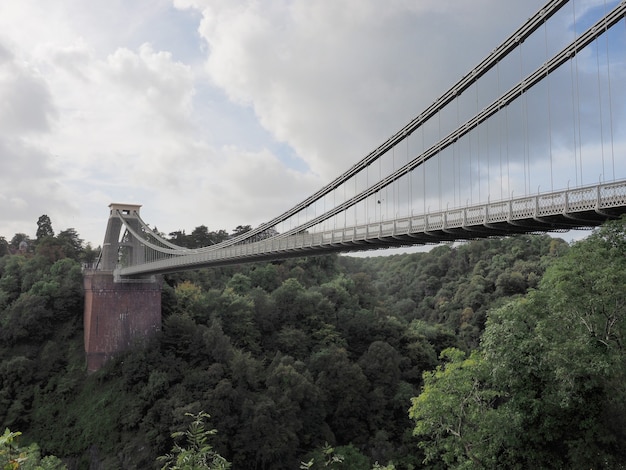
118 315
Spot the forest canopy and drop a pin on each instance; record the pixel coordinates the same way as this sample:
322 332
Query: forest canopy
498 353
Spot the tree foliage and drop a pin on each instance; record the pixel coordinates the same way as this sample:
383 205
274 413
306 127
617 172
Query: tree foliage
196 453
290 355
15 457
455 414
44 228
545 390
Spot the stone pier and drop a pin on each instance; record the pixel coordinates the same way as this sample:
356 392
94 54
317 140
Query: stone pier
119 312
118 315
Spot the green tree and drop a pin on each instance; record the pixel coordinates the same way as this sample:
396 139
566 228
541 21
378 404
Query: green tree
17 239
236 314
189 298
455 416
44 228
239 283
196 453
90 254
265 276
381 365
240 230
10 279
299 411
27 319
72 244
560 355
179 238
325 457
201 236
14 457
546 388
4 246
50 248
344 388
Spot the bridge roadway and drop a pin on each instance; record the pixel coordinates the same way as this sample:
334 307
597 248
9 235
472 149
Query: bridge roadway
554 211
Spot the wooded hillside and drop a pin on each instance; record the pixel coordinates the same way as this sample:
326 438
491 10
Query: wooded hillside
504 353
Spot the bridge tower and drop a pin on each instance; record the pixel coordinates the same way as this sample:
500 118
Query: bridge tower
119 313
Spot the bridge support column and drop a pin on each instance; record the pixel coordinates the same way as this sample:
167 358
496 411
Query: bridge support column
118 315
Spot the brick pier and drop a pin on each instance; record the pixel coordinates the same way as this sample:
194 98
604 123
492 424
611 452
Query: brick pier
118 315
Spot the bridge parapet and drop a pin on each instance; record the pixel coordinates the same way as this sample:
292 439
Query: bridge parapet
546 212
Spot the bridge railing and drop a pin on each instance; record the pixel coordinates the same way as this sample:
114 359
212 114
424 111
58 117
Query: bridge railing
593 198
458 222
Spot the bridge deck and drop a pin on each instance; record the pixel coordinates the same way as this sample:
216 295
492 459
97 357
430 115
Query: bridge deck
555 211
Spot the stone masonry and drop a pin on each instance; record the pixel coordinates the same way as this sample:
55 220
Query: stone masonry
118 315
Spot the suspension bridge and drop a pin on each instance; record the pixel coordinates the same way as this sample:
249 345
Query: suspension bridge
532 139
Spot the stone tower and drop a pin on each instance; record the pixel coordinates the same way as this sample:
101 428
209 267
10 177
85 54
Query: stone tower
119 313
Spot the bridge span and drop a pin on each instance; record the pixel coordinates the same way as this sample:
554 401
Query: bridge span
549 212
532 139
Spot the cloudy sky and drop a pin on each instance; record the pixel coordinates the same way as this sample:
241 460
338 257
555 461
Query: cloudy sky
214 112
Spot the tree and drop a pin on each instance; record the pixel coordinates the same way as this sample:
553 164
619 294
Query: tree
90 254
14 457
200 236
71 242
240 230
4 247
381 365
28 318
559 382
344 388
299 411
239 283
44 228
236 314
11 277
546 388
455 417
326 458
197 454
17 239
51 249
178 238
265 276
189 298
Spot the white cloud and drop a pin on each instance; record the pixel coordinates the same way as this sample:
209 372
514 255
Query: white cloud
25 101
214 112
352 72
27 181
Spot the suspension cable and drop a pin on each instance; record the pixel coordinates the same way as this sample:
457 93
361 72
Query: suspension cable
545 29
515 92
482 68
608 70
600 106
